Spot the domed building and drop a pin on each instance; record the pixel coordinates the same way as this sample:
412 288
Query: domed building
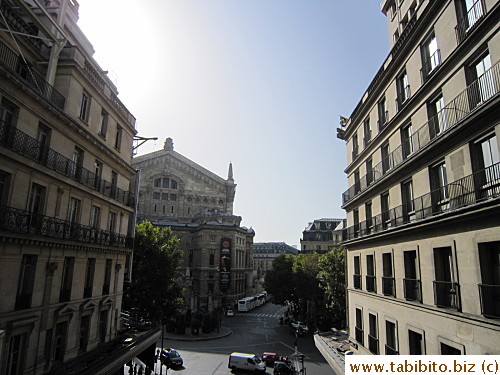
198 205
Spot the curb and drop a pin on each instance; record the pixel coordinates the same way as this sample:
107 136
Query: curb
191 338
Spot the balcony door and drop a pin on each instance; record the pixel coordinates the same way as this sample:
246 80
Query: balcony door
489 289
439 186
445 289
411 281
486 162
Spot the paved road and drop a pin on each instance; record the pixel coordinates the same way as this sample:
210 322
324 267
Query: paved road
255 332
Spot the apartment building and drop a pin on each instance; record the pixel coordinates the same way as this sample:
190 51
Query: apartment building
321 235
67 205
423 204
217 268
264 253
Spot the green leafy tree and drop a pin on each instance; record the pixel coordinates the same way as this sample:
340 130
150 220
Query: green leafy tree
153 291
279 280
309 294
332 280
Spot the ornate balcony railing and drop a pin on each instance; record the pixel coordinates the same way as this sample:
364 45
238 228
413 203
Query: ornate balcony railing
356 281
20 221
94 75
475 188
373 344
358 332
18 141
388 286
473 97
411 288
429 65
371 283
471 19
16 65
390 351
490 300
447 294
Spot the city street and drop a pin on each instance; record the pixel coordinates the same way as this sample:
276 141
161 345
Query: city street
254 332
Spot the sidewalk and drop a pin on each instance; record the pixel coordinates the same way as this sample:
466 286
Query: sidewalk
223 332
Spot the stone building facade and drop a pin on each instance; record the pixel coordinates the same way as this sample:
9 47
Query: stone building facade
198 205
264 254
321 236
423 204
67 202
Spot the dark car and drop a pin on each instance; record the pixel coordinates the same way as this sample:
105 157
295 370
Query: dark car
282 368
269 358
171 358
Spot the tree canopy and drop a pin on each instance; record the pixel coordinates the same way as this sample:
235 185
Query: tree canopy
279 281
307 281
332 281
153 289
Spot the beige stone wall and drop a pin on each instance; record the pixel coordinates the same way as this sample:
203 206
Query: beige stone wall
23 233
461 228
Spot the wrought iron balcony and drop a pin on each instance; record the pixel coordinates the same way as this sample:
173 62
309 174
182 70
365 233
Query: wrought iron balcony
371 283
430 65
359 335
373 344
388 288
447 294
20 221
356 281
473 97
412 290
390 351
21 143
490 300
470 21
472 189
17 66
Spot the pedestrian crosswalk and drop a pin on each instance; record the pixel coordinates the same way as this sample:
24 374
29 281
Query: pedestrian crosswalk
274 316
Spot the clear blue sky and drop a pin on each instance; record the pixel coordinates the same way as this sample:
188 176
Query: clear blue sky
259 83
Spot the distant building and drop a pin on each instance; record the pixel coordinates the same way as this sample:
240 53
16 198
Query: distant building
265 252
321 236
67 202
423 203
198 205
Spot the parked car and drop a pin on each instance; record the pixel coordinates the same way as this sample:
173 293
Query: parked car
283 368
230 312
269 358
171 358
300 328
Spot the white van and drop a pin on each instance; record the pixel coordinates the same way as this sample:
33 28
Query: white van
248 362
